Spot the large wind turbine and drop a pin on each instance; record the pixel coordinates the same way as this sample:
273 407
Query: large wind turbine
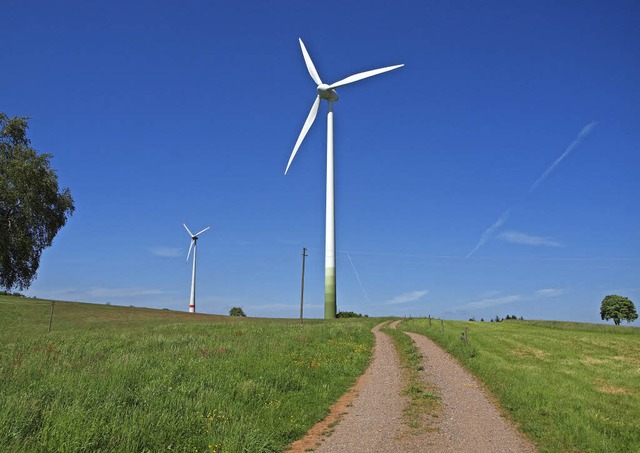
194 246
328 93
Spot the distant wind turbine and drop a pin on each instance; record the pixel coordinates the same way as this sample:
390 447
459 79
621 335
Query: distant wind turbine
194 246
328 93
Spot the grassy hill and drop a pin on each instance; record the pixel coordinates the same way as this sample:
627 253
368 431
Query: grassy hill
111 378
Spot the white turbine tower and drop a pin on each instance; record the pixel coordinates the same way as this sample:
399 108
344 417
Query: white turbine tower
328 93
194 246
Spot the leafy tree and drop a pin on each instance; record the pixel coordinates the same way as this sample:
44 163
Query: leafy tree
350 314
237 311
618 308
32 209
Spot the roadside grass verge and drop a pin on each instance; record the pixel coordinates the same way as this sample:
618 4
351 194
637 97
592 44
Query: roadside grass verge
111 378
423 401
570 386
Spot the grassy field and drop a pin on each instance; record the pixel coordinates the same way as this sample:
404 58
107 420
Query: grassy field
111 378
571 387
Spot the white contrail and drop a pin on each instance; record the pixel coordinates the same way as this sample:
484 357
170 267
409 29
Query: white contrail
489 231
358 277
516 237
407 297
583 133
503 218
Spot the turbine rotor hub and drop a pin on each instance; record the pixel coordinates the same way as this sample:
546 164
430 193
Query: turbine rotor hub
327 93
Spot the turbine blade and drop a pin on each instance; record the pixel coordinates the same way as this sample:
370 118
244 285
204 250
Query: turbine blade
307 125
310 67
363 75
199 233
189 253
186 228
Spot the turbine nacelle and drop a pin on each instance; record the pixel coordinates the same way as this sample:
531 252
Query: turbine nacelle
327 93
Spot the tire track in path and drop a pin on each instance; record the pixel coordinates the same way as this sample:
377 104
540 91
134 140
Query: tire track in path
374 419
470 422
368 418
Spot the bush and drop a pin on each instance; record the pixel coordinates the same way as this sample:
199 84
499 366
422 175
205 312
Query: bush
237 311
9 293
350 314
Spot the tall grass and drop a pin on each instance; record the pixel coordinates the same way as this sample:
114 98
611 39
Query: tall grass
570 386
113 378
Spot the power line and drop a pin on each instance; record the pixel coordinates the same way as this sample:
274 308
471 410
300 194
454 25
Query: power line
624 259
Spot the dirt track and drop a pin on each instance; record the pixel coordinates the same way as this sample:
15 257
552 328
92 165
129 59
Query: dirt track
369 418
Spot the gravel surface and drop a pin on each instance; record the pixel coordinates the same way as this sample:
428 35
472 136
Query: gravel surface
371 420
374 420
470 422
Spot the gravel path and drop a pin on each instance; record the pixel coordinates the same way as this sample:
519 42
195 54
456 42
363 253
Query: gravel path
374 420
370 420
470 421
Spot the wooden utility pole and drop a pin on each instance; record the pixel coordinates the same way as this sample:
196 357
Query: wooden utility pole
304 255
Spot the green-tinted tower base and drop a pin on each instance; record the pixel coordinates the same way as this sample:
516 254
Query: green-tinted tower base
330 293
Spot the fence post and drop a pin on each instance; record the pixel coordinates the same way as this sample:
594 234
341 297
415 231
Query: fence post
53 304
442 322
464 336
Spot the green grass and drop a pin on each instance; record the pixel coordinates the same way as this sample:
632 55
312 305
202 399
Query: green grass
423 402
113 378
570 386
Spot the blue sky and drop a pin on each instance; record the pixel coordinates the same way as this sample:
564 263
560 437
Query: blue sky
494 174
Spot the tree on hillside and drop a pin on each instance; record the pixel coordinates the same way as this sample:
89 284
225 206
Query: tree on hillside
32 208
350 314
618 308
236 311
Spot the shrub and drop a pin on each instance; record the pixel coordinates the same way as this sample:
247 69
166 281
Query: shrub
350 314
237 311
